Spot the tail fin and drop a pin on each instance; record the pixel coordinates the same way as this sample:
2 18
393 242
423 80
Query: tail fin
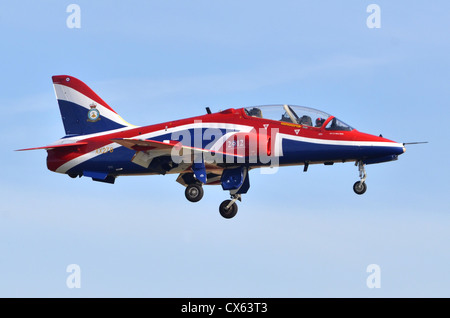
82 110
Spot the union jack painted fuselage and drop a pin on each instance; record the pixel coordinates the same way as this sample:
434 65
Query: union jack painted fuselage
215 148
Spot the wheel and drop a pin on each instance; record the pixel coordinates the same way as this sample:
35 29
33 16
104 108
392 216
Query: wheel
194 192
230 212
359 187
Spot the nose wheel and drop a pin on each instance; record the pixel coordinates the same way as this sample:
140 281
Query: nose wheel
360 187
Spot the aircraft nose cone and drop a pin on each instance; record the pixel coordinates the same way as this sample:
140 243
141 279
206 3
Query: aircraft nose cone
401 148
398 149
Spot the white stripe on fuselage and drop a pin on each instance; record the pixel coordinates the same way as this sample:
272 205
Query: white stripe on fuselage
341 142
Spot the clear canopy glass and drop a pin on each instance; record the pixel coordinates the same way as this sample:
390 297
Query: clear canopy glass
298 115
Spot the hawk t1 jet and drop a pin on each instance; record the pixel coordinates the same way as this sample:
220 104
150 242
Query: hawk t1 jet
212 149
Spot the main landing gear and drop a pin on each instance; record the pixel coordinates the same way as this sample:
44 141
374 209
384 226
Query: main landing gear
229 208
360 187
194 192
235 180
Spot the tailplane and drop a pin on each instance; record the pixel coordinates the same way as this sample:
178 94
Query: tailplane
82 110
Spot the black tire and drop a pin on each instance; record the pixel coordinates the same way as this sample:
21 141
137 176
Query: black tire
360 187
230 212
194 192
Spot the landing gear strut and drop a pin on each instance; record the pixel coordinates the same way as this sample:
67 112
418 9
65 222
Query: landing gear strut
229 208
360 187
194 192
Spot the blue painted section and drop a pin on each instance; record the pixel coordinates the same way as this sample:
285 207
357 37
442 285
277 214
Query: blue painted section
236 179
298 151
378 152
95 174
380 159
245 185
199 171
99 176
232 179
115 163
75 120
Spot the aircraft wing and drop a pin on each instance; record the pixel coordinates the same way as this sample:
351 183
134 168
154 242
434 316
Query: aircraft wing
145 145
149 145
146 150
74 144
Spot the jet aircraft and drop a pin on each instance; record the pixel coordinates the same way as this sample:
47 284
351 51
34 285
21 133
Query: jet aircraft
212 149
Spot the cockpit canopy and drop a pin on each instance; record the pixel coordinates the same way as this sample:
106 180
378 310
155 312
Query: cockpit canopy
299 115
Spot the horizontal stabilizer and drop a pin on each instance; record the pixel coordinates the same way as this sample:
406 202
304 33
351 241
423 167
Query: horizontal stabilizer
75 144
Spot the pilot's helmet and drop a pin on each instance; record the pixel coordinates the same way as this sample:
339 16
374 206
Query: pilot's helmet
319 121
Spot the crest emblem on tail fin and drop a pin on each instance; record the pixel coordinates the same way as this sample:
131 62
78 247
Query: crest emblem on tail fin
93 114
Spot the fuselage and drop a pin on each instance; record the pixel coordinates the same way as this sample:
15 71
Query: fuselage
261 142
214 149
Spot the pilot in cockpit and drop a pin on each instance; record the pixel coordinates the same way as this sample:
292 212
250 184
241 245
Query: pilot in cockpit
305 120
319 122
255 112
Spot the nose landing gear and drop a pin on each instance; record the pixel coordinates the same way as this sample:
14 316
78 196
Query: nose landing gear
360 187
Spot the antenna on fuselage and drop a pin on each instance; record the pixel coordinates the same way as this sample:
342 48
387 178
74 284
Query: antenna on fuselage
208 110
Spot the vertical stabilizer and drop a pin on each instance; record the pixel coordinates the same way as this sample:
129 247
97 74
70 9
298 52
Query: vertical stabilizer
82 110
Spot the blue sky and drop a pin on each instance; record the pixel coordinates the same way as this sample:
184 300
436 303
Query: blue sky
296 234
